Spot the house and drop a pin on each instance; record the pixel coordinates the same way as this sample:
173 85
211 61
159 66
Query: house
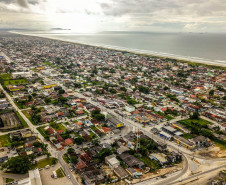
160 157
132 172
59 138
69 141
169 130
80 166
120 172
131 161
184 142
26 133
112 161
200 141
93 177
122 149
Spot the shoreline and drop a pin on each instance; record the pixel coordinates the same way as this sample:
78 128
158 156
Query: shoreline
183 59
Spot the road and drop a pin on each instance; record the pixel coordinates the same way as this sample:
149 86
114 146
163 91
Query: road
197 175
65 167
52 150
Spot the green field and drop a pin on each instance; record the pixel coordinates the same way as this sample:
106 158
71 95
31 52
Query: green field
200 121
21 119
15 81
58 126
66 158
150 163
44 162
5 76
28 116
41 131
187 136
8 180
4 140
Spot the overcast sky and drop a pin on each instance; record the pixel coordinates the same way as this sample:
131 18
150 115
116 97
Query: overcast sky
115 15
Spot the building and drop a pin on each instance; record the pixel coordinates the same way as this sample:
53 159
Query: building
33 179
21 74
112 161
184 142
200 141
93 177
169 130
120 172
160 157
131 161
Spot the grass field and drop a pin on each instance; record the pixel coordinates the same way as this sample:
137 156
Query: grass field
187 136
66 158
60 173
21 119
58 127
15 81
44 162
150 163
200 121
41 131
4 140
28 116
8 180
5 76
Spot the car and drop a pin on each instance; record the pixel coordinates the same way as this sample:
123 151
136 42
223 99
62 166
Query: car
69 176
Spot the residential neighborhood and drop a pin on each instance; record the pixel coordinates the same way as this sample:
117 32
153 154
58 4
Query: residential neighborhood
89 115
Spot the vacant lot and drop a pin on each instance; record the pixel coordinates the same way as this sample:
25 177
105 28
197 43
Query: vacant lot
4 140
44 162
15 82
5 76
200 121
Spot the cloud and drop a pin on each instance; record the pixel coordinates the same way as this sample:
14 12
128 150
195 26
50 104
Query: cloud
22 3
178 15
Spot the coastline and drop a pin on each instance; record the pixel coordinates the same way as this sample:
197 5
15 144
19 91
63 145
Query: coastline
183 59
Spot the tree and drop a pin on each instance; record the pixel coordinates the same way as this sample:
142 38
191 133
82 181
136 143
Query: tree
19 164
47 100
113 91
37 144
79 140
123 89
70 150
195 115
74 159
211 92
61 91
99 117
104 153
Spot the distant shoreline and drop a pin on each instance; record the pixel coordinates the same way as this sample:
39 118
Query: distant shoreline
190 60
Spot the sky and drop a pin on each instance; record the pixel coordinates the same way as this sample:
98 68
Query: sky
88 16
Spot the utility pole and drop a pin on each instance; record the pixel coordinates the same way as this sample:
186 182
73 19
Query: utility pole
138 139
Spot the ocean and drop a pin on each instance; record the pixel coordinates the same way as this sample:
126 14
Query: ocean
201 47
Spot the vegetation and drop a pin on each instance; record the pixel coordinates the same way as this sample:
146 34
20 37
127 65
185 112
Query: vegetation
66 158
60 173
97 115
21 119
57 126
8 180
15 81
5 141
19 164
41 131
44 162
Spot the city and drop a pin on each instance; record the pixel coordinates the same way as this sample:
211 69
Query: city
79 114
